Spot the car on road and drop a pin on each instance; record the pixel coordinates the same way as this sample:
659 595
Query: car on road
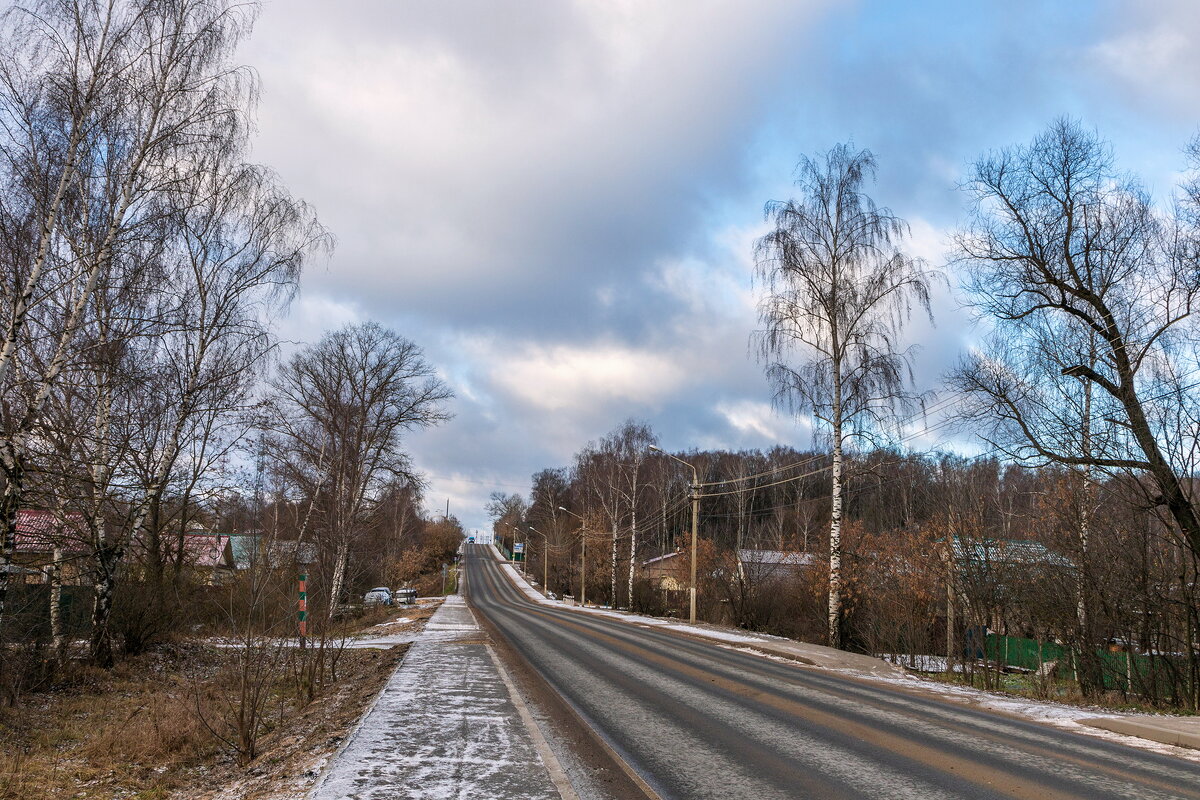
380 595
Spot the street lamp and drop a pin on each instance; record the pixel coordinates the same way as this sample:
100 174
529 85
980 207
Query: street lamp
582 556
545 559
695 492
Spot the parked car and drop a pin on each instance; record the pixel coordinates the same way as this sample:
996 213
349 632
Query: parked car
380 595
405 596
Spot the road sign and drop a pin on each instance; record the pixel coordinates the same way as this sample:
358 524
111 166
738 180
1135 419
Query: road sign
519 547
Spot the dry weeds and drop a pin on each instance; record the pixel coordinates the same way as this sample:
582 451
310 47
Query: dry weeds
143 730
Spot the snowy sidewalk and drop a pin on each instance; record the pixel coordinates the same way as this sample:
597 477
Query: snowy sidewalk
444 726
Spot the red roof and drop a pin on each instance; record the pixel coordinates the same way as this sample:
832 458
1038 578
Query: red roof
39 531
206 549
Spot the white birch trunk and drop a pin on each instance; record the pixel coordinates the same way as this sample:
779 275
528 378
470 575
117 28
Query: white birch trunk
339 576
835 517
614 563
57 637
632 553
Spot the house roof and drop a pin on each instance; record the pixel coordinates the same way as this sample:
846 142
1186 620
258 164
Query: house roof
283 552
208 550
663 557
776 558
1007 551
39 531
245 547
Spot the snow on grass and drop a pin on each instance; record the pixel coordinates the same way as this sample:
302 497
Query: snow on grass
921 663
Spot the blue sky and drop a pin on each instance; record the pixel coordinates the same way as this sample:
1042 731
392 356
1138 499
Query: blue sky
558 200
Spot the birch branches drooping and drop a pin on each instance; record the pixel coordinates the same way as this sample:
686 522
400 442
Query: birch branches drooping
837 289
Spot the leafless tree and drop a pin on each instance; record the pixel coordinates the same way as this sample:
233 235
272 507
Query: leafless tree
105 109
1085 278
612 471
339 413
837 291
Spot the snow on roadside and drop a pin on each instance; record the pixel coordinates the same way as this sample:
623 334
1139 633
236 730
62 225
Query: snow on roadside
1048 712
921 663
657 622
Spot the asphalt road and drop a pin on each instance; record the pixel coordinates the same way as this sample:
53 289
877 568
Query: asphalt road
697 720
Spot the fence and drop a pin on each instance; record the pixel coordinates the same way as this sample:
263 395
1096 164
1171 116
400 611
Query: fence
1140 674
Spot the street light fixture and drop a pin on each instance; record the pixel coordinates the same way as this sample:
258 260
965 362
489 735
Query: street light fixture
582 557
695 492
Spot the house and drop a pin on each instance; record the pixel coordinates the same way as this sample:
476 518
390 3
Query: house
209 556
287 553
668 572
39 534
766 566
254 550
987 553
245 549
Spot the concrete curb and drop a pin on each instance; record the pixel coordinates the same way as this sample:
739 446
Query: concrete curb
1178 731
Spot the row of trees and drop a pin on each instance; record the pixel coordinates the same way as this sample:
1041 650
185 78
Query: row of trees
1083 394
144 262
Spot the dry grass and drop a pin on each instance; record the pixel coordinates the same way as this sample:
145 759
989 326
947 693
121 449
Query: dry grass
144 730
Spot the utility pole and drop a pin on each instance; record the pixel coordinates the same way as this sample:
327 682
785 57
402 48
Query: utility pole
582 556
695 528
695 492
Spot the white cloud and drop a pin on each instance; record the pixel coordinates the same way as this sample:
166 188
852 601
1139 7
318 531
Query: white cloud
563 377
558 200
311 315
759 422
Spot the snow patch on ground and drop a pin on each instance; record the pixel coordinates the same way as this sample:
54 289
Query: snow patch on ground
921 663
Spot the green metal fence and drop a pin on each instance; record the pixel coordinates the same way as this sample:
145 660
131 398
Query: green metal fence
1128 671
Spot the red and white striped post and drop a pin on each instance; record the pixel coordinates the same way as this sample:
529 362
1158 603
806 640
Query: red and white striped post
303 612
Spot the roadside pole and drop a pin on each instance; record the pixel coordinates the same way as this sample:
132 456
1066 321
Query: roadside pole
302 614
695 528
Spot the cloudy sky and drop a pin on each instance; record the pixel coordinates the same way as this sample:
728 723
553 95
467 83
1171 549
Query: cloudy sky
557 199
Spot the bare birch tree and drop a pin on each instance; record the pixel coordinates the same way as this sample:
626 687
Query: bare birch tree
105 108
837 291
